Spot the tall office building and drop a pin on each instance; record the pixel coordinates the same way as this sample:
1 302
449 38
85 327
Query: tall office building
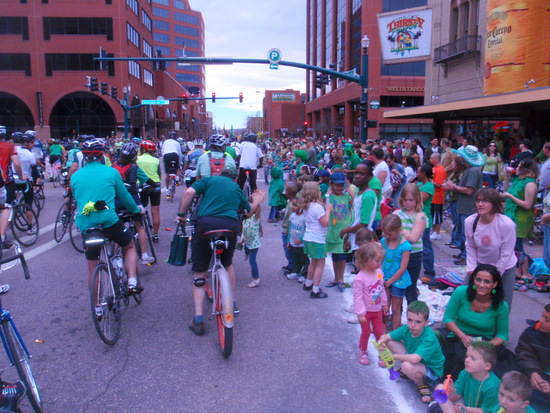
334 32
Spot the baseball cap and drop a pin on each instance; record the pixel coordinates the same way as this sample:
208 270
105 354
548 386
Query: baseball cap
338 178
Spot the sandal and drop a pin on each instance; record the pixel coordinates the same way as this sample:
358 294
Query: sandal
454 247
425 392
331 284
342 286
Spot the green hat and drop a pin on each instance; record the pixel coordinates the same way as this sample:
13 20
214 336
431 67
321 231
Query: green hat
300 153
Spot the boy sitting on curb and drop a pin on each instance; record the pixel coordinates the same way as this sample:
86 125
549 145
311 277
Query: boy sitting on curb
514 394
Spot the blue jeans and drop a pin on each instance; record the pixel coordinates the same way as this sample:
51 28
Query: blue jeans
428 254
461 233
267 170
252 253
273 213
546 247
454 219
415 264
288 254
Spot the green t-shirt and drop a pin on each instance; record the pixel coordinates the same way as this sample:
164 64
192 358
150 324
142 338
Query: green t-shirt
428 188
230 150
490 324
469 388
150 165
340 218
222 197
375 184
56 149
426 345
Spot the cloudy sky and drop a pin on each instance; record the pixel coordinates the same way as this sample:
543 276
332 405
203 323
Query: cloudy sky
248 29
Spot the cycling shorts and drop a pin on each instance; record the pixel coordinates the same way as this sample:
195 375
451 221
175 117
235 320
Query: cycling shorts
117 233
11 187
153 195
171 163
200 245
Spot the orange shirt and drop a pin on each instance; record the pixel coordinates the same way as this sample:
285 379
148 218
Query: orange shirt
439 177
7 149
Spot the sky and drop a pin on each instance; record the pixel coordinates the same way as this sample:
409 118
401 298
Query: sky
249 29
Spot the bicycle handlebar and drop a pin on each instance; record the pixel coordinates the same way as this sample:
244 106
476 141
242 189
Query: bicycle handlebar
18 256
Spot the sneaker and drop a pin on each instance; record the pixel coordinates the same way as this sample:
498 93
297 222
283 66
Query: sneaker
155 238
320 294
146 259
292 276
381 363
197 328
352 319
99 313
306 288
31 231
434 407
302 279
135 288
254 283
364 358
287 268
457 256
460 261
12 393
4 288
435 236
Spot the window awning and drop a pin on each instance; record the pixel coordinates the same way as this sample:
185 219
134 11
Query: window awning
502 106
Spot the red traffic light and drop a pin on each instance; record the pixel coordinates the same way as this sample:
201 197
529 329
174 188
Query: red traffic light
213 97
306 123
184 98
241 97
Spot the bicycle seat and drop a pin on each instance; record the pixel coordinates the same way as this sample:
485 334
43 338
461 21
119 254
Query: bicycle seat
218 233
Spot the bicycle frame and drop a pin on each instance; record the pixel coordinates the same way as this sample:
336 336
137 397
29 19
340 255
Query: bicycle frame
220 279
6 315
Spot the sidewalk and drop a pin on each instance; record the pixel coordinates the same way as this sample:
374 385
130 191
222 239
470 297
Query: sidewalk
525 305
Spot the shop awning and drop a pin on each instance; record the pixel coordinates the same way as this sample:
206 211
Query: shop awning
502 106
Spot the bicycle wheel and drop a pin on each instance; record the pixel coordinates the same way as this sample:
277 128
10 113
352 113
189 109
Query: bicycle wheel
247 192
172 189
21 363
56 180
224 315
24 231
39 195
148 231
61 222
102 296
75 235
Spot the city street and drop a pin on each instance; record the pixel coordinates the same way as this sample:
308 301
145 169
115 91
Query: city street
291 353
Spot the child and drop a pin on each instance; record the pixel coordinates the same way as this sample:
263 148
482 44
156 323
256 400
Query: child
300 261
477 386
316 218
396 277
414 222
513 397
369 296
418 349
291 191
251 241
340 217
324 180
276 188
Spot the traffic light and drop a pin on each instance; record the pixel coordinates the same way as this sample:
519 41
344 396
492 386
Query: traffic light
332 66
363 108
213 97
325 79
104 88
241 97
319 81
93 84
114 92
102 64
306 123
184 98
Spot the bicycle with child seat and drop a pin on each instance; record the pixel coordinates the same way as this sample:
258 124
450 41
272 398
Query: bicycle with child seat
24 231
222 292
109 294
15 348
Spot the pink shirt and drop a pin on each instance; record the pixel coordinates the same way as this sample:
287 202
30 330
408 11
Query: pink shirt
491 244
369 294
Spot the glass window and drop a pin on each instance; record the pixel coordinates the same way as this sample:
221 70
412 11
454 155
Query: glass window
133 35
70 61
161 25
15 25
190 31
188 42
146 20
164 50
404 69
179 4
165 2
16 62
159 37
147 77
74 26
394 5
157 11
134 6
147 49
183 77
181 17
134 69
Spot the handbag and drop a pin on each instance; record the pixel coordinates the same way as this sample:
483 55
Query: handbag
178 247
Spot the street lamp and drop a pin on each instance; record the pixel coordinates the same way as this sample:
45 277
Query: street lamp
364 87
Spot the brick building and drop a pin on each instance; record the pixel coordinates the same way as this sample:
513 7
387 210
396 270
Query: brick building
284 113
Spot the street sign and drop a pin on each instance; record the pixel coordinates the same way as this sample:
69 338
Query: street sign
375 104
274 66
351 73
155 102
274 56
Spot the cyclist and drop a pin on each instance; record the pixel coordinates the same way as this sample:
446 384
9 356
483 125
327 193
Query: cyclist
191 160
95 187
131 174
171 154
251 159
75 157
37 149
213 161
8 157
150 164
57 152
222 199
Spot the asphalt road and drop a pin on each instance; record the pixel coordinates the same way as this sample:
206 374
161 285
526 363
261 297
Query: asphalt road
291 353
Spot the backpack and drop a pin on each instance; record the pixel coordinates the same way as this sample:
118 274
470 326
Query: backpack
395 180
216 165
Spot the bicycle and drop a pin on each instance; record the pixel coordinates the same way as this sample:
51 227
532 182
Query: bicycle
63 219
39 199
246 187
109 294
126 217
171 189
15 348
24 231
222 292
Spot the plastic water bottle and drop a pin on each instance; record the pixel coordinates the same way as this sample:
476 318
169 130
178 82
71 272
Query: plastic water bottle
118 265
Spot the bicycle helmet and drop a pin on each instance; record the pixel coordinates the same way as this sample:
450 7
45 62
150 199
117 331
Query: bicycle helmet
250 137
198 142
180 140
93 149
26 138
128 152
148 146
136 140
17 137
172 135
2 132
31 133
217 141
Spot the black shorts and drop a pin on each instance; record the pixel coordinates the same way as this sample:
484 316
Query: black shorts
117 233
200 245
11 187
54 159
437 213
171 163
153 195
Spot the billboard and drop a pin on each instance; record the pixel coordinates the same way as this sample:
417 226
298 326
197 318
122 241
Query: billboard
517 46
405 35
283 97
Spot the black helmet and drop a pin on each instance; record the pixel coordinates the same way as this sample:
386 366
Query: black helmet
27 137
250 137
17 137
2 132
172 135
93 149
217 141
128 152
